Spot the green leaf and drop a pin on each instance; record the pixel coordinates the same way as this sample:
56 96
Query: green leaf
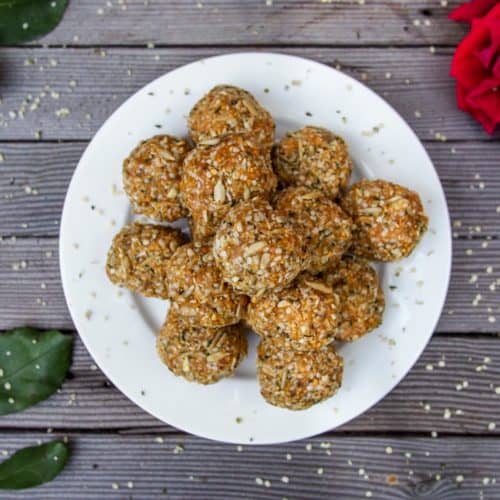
33 466
24 20
33 365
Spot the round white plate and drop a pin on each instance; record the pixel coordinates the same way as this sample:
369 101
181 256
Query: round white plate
118 327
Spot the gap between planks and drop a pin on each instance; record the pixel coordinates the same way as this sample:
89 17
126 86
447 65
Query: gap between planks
48 167
102 83
473 302
112 466
88 401
236 45
257 22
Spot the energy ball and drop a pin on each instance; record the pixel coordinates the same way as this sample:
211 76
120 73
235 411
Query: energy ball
326 228
389 219
257 249
218 176
361 296
313 157
138 258
298 380
227 109
302 317
200 354
151 177
197 290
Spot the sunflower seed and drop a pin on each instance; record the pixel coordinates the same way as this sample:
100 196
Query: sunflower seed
219 192
255 248
315 285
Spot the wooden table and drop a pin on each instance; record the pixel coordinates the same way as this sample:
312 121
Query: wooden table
434 436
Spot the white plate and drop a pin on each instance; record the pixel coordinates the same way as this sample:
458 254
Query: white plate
118 328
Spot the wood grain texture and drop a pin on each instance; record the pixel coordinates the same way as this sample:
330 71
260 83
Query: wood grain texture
31 293
35 177
180 467
68 93
256 22
57 93
418 405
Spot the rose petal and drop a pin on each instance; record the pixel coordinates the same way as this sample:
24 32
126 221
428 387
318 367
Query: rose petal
492 24
476 65
467 12
494 13
488 124
487 56
461 94
465 66
483 119
496 69
484 103
488 88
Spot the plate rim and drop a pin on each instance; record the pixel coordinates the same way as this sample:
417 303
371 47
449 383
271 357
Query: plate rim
446 238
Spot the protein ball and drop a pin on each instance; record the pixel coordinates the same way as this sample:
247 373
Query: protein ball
389 219
313 157
218 176
325 226
151 177
302 317
138 258
197 290
228 109
298 380
257 249
361 296
200 354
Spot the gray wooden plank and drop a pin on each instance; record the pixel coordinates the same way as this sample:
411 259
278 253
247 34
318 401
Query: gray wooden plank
27 265
35 177
180 467
232 22
68 93
87 401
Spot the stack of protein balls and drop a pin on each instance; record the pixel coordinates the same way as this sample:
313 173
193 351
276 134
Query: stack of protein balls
278 242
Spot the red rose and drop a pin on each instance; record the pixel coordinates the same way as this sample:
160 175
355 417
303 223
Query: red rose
476 67
469 11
